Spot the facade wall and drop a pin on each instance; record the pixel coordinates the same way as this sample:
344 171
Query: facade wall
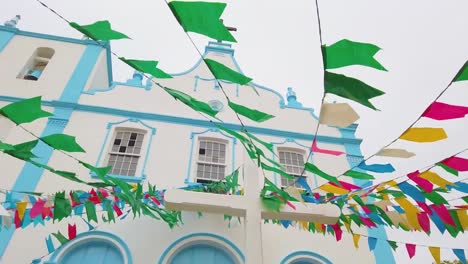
89 106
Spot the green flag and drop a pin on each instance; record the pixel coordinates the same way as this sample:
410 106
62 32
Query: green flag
146 67
90 211
192 102
272 203
392 244
24 111
252 114
448 169
6 146
280 172
359 175
222 72
314 169
350 88
23 151
100 171
435 197
60 237
100 30
462 75
346 52
202 18
62 206
62 142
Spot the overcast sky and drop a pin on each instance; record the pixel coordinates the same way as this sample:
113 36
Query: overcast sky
424 43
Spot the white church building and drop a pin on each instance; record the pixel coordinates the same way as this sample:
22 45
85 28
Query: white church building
147 136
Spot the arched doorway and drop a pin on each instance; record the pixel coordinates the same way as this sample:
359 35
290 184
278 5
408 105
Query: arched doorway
202 254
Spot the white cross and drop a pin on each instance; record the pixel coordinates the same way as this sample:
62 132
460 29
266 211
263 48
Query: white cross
250 207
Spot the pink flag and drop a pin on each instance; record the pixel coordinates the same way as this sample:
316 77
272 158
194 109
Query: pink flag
345 185
71 231
444 214
338 231
424 222
457 163
411 248
316 149
424 207
366 209
442 111
37 208
367 222
421 182
117 209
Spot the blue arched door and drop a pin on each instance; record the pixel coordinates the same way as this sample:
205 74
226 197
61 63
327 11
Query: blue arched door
202 254
94 251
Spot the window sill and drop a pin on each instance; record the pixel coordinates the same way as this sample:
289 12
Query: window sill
122 177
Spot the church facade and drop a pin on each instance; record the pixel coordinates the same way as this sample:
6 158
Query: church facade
147 136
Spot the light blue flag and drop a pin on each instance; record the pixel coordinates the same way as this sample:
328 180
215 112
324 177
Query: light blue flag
460 253
379 168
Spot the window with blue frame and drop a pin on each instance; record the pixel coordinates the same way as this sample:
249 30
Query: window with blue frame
125 152
36 64
293 163
211 160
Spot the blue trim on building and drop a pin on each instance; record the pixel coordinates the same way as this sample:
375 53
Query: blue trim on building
5 37
94 235
30 175
382 252
188 121
305 254
113 85
192 144
106 143
201 235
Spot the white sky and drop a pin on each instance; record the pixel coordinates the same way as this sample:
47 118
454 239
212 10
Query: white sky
424 44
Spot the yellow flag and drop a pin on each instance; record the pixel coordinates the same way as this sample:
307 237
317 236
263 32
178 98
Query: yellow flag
304 225
21 207
435 252
347 225
318 227
295 193
333 189
424 134
411 212
463 217
436 179
356 238
395 153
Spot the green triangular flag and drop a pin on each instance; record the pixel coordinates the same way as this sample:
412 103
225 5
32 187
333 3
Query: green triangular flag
24 111
90 211
222 72
435 197
312 168
272 203
60 237
62 206
202 18
448 169
462 75
192 102
280 172
6 146
62 142
100 171
392 244
23 151
252 114
146 67
269 146
346 52
359 175
394 193
350 88
110 211
100 30
465 199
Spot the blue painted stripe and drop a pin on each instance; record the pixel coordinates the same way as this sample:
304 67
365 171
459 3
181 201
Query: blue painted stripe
5 37
30 175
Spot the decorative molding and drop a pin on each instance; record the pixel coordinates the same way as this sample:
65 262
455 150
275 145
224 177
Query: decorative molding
305 255
208 238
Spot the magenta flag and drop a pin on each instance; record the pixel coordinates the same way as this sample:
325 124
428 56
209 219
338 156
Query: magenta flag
442 111
456 163
411 248
316 149
421 182
444 214
423 219
37 208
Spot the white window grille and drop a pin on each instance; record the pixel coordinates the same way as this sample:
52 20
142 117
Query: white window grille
125 152
211 160
293 163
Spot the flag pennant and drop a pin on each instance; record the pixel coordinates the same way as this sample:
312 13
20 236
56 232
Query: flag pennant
411 249
462 75
192 102
372 242
333 189
424 134
424 222
460 253
395 153
379 168
435 252
63 142
147 66
49 244
443 213
21 209
202 18
346 52
338 114
71 231
252 114
100 30
392 244
350 88
436 179
24 111
316 149
359 175
222 72
421 182
314 169
338 231
456 163
356 238
443 111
